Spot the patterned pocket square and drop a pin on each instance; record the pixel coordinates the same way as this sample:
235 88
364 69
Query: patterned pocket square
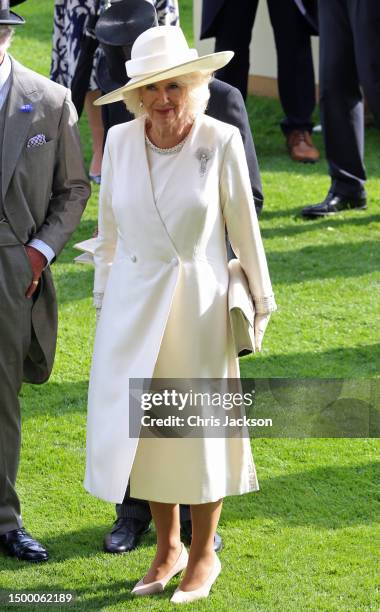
36 141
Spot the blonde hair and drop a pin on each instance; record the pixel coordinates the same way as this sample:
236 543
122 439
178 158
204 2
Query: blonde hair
198 94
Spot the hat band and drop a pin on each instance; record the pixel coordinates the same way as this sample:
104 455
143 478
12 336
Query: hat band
152 64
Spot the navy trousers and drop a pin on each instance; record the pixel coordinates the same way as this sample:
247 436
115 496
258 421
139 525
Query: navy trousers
349 63
292 35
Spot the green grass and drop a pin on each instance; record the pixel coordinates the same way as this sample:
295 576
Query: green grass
309 539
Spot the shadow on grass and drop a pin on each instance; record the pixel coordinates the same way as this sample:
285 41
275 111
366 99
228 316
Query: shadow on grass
326 497
292 230
99 596
71 397
331 497
324 261
356 362
312 262
85 543
78 544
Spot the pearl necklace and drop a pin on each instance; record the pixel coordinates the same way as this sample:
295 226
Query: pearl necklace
170 151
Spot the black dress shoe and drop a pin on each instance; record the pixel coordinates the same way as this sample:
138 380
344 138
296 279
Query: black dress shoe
18 543
332 205
186 536
125 535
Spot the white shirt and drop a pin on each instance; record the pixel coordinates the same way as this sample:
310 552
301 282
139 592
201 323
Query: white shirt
5 83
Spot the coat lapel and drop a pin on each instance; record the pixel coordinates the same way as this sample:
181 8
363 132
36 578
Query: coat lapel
17 122
143 170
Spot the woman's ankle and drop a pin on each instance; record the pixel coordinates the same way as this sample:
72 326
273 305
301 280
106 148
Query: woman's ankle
169 549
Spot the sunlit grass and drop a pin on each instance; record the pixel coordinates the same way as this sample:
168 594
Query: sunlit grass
309 539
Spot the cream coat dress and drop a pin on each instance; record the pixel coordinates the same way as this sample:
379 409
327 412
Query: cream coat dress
161 267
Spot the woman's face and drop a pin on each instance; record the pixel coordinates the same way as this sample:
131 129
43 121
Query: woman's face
165 103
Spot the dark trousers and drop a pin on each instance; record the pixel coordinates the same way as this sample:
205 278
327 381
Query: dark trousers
294 58
349 60
15 333
139 509
114 114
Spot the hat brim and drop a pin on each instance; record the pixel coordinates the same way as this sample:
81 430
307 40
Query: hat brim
206 63
12 20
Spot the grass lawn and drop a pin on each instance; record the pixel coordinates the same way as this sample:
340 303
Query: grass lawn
309 539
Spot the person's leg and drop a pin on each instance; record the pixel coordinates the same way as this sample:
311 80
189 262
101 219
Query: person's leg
341 100
132 522
166 520
205 518
15 333
365 23
15 330
184 513
234 30
10 435
295 70
133 508
94 115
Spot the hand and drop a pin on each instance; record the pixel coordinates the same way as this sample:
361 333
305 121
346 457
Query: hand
260 324
38 262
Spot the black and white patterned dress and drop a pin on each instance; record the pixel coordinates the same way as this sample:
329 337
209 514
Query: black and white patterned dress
70 21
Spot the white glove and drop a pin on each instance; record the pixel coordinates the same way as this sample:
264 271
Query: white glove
260 324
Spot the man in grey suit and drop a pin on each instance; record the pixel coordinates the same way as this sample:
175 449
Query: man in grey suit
44 190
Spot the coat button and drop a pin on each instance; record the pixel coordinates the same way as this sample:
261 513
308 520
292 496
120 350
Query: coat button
174 261
133 258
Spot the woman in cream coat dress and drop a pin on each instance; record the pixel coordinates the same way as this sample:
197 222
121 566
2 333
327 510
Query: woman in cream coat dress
161 279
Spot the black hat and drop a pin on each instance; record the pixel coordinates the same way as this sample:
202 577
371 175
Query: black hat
124 21
105 81
117 29
8 17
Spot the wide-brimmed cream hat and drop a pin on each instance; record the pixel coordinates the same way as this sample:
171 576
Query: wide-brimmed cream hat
162 53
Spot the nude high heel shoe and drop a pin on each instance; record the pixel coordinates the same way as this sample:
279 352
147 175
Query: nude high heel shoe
142 588
203 591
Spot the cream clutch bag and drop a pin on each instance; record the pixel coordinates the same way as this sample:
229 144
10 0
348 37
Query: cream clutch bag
241 309
87 247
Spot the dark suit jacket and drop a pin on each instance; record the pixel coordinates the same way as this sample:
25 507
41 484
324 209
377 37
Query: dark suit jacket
211 9
45 190
226 104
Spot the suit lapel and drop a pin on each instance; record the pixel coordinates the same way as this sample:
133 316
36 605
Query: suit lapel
17 123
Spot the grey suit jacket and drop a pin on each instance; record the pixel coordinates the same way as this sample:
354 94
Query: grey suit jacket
44 189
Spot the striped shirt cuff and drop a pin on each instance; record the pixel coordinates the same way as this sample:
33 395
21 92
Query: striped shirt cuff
43 248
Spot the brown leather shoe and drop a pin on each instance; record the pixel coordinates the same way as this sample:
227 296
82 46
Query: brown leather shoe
301 147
